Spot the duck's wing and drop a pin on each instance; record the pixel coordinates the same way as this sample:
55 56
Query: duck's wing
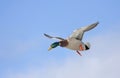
78 34
51 37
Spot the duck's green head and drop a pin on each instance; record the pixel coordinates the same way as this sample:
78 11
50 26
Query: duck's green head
54 45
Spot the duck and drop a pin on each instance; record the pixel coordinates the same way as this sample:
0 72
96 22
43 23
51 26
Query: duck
74 41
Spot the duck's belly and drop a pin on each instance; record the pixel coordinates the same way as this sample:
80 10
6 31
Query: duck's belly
74 44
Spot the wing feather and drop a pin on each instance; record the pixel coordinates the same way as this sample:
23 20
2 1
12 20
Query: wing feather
78 34
51 37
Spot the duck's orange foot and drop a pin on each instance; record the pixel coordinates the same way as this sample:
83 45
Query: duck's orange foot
79 53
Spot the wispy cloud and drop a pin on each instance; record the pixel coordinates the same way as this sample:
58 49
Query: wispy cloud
90 68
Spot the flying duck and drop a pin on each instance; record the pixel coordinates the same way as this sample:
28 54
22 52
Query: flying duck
74 41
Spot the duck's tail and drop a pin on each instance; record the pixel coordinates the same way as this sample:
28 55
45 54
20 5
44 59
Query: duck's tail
87 46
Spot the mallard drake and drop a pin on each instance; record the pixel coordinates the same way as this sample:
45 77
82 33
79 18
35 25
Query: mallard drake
74 41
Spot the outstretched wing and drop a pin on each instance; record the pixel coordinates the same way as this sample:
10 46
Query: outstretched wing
78 34
51 37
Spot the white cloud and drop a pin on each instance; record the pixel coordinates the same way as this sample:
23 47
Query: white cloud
74 67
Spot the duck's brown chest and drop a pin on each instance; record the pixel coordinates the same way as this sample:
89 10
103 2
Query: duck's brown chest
63 43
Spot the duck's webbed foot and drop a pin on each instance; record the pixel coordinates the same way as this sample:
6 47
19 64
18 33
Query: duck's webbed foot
79 53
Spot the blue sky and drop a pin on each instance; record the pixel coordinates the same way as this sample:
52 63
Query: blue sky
23 48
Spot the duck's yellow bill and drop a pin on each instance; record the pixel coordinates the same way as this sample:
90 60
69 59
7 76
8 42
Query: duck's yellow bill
49 48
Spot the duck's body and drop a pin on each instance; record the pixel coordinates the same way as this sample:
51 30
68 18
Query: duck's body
74 41
73 44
